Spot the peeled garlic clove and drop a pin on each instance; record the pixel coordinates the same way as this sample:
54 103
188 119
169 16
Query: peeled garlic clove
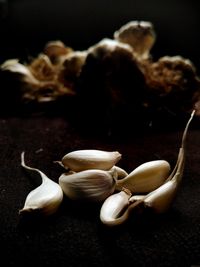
121 173
90 159
146 177
161 199
95 185
114 209
46 198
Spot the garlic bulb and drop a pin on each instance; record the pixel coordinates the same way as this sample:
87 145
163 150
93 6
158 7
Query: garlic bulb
146 177
161 198
46 198
140 35
95 185
90 159
114 209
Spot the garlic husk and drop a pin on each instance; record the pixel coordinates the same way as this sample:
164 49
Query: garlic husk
46 198
121 173
146 177
114 209
80 160
94 185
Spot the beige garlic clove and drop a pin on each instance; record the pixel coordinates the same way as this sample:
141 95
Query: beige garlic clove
94 185
121 173
161 198
146 177
114 209
46 198
90 159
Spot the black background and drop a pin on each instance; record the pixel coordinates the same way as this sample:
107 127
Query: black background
75 235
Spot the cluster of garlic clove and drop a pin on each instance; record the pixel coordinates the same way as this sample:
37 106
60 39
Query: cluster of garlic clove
117 208
93 175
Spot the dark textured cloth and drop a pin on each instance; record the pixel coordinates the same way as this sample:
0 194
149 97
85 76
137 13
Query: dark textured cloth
74 236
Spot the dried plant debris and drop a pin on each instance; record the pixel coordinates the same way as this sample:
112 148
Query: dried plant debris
121 72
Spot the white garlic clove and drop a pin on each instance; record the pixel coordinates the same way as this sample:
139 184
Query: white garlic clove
94 185
46 198
114 209
121 173
90 159
146 177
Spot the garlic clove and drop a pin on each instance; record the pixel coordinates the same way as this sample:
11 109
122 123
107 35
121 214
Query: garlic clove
161 198
121 173
46 198
94 185
114 209
146 177
90 159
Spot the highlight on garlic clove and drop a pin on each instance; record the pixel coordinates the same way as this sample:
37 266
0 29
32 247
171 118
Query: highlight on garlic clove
46 198
114 210
146 177
93 185
140 35
80 160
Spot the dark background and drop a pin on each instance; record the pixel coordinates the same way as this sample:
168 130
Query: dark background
75 236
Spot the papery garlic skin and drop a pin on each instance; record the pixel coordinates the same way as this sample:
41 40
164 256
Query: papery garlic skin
46 198
113 207
80 160
94 185
146 177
